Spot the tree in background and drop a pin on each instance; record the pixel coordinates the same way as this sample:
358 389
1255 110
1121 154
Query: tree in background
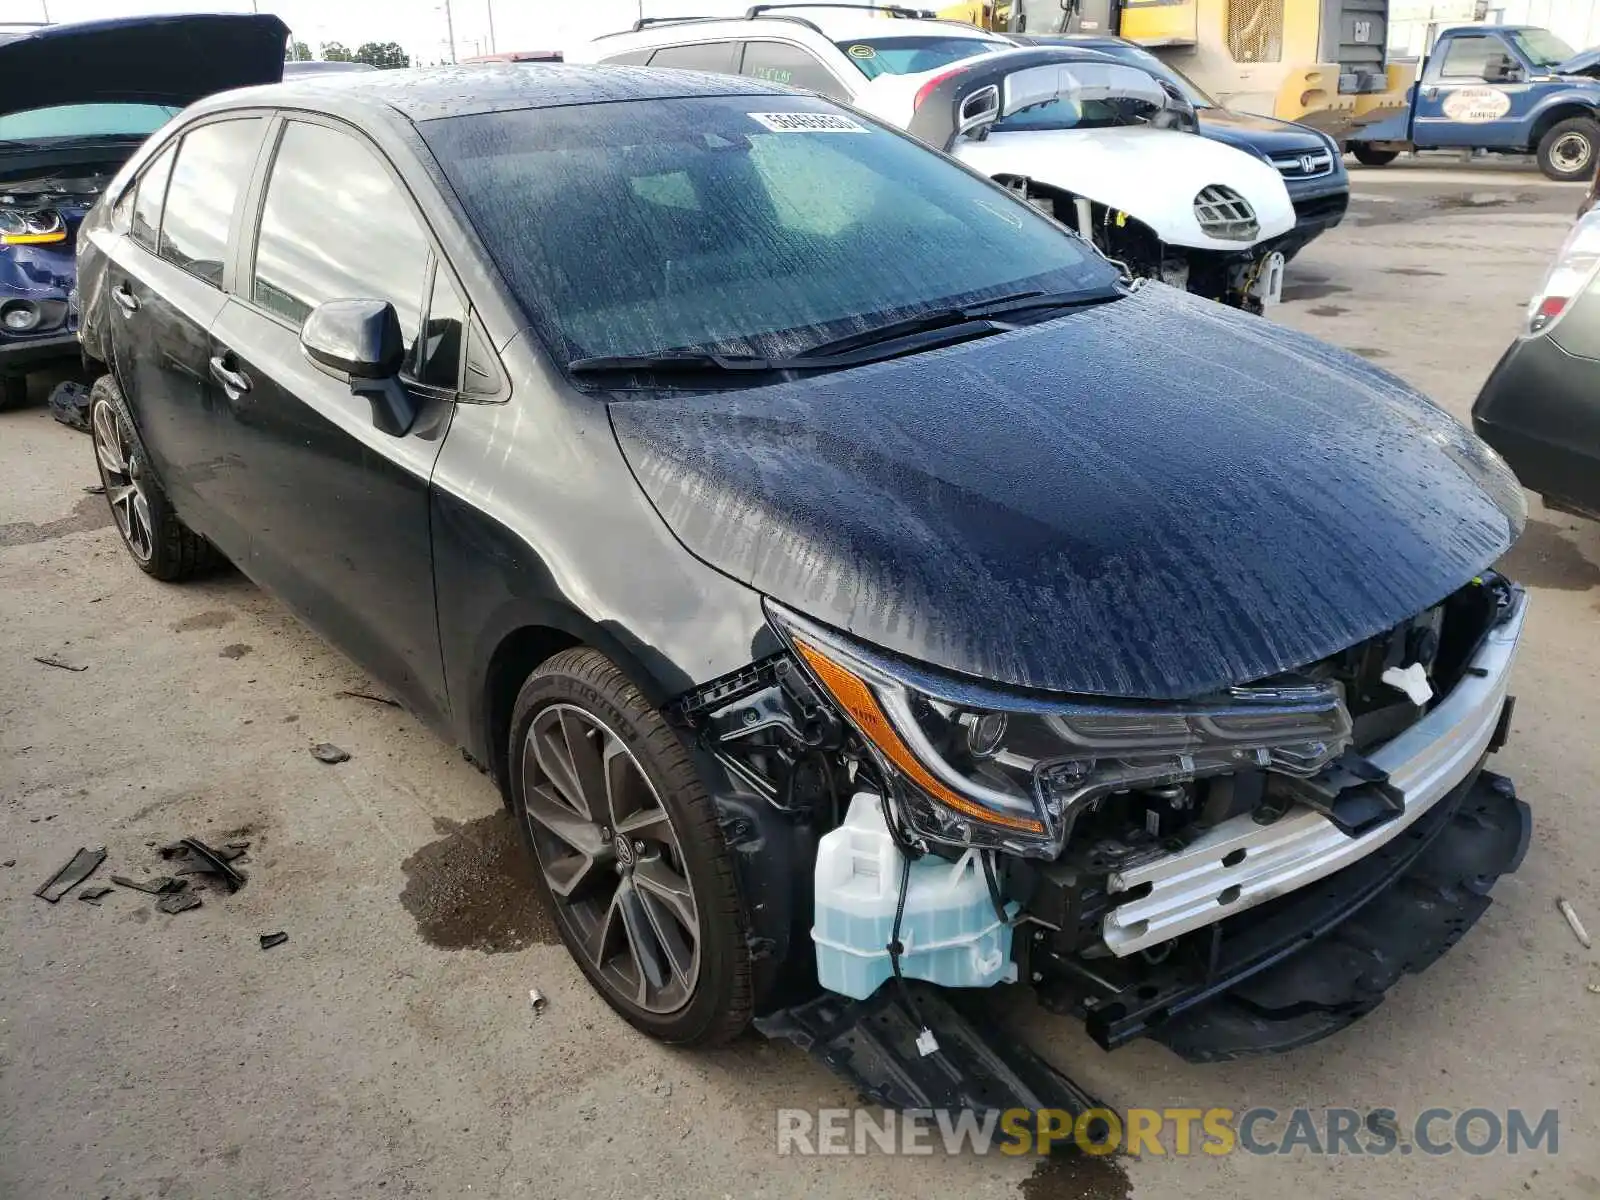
383 55
297 52
335 52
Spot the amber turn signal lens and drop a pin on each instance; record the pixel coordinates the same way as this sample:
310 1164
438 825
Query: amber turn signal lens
857 700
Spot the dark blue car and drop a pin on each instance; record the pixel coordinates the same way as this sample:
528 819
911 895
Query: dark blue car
1309 161
75 102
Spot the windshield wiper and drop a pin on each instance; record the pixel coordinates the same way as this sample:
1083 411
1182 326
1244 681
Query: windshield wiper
979 311
877 347
939 328
677 361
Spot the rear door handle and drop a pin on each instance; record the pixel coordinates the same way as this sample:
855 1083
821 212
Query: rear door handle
126 300
235 383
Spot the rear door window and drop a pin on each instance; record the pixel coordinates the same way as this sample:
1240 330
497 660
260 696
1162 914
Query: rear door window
720 57
214 164
779 62
336 225
149 193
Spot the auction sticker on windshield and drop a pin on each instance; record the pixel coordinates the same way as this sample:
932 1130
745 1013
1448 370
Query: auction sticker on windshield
807 122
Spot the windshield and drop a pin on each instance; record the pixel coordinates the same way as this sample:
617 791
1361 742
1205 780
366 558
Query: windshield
914 55
68 122
1541 47
1079 95
1141 57
745 225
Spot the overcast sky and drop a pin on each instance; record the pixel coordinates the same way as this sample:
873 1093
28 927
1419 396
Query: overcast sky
418 25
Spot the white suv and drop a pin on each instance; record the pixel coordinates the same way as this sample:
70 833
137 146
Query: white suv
1104 146
847 52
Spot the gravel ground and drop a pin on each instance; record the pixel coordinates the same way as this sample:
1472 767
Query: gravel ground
388 1047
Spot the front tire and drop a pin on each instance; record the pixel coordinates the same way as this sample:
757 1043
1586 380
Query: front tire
628 851
1369 157
1567 150
159 542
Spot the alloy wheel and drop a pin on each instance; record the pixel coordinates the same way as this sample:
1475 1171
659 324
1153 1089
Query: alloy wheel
122 474
611 857
1571 153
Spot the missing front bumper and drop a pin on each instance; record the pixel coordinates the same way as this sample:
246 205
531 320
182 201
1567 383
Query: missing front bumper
1240 864
1307 964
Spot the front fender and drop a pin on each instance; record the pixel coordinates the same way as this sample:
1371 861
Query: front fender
1564 97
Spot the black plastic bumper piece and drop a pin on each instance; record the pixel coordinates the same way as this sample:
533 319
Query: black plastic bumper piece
1307 965
872 1044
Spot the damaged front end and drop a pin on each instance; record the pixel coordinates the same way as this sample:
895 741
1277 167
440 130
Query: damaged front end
1233 875
1247 275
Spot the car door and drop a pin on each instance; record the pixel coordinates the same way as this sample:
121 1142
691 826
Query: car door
1477 98
338 509
166 280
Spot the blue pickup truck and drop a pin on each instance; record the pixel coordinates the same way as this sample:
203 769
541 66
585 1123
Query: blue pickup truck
1509 89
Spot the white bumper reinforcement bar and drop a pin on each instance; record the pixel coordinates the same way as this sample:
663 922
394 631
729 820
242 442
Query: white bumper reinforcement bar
1239 863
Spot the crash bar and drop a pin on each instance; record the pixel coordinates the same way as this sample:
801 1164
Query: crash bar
1240 863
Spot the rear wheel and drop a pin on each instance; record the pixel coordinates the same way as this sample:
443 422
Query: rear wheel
1368 157
13 391
1567 149
159 542
629 851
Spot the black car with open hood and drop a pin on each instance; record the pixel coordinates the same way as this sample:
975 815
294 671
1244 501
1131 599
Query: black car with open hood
76 101
856 585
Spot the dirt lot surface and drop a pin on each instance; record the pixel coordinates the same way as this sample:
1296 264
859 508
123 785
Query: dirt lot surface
388 1047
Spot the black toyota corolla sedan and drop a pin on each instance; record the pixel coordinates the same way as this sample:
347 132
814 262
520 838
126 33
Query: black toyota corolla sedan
856 587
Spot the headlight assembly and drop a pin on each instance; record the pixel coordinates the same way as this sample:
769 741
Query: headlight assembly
982 766
32 228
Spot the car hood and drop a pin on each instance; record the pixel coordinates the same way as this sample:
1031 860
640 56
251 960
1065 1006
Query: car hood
1261 134
149 60
1157 497
1584 63
1151 174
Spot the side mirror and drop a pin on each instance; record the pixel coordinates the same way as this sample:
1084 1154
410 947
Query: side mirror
361 340
1505 70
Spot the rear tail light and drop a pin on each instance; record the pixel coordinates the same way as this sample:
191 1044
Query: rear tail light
926 89
1572 274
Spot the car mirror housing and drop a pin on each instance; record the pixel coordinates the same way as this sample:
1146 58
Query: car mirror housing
362 341
357 338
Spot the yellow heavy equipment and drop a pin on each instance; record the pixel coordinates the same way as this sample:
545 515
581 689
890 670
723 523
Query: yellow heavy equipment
1317 61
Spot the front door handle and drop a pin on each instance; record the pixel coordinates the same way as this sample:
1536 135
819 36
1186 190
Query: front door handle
235 383
126 300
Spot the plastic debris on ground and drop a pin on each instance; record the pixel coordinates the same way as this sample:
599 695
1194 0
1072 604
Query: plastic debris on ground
269 940
178 902
194 857
94 895
50 660
536 1000
1571 915
159 886
69 404
82 865
327 752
